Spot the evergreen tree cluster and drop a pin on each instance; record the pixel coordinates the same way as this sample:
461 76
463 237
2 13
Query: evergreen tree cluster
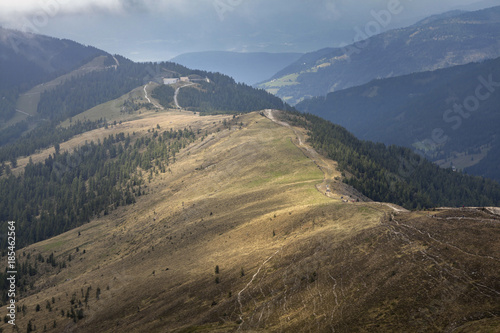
85 92
45 136
8 99
27 269
69 189
13 132
165 95
222 93
395 174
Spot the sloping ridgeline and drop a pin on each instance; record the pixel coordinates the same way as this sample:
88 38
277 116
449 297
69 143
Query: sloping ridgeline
67 100
395 174
83 93
29 59
221 94
68 190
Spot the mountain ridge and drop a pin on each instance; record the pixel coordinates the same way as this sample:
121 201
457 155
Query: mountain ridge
472 36
39 56
234 238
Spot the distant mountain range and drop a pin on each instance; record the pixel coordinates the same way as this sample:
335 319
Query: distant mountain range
249 68
438 42
451 115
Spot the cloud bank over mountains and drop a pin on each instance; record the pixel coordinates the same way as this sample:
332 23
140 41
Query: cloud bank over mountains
161 29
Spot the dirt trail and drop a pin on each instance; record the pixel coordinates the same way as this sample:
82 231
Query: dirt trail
396 208
249 283
494 210
177 93
25 113
149 100
331 187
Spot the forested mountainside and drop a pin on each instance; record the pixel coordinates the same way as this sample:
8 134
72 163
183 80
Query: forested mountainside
460 102
395 174
29 59
221 93
434 44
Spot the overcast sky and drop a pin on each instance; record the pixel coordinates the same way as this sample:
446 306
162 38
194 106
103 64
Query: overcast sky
155 30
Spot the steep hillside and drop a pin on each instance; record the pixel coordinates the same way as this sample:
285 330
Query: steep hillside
236 236
31 59
249 67
435 44
408 111
32 64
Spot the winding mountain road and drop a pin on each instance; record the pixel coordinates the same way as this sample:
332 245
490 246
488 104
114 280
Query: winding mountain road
146 94
177 93
148 99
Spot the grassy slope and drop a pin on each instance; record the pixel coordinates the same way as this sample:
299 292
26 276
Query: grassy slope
111 112
328 265
28 102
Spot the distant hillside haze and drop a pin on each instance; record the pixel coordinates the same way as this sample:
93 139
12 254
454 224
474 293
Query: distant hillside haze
249 68
450 115
30 58
27 60
437 42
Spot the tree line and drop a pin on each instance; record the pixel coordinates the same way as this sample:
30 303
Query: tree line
69 189
395 174
85 92
44 136
222 93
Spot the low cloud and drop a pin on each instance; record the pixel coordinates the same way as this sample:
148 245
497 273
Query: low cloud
159 29
21 14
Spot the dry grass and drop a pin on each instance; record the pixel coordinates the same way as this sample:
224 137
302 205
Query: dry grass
247 200
137 125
